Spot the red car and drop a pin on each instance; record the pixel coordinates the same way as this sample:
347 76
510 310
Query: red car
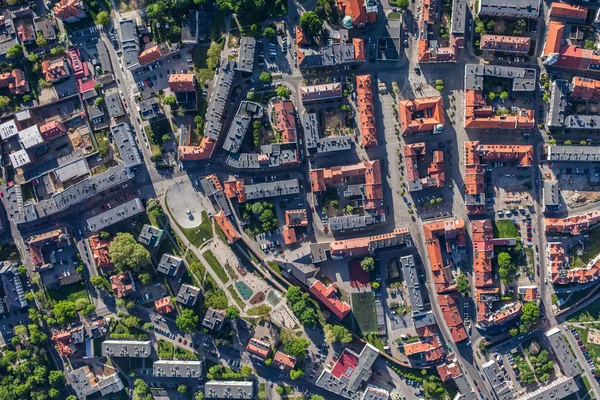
184 341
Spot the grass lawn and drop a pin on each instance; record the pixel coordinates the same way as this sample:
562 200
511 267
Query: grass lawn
69 292
505 228
199 234
184 354
165 349
530 261
221 234
594 248
236 297
215 265
593 349
363 307
276 8
263 309
275 267
394 16
231 271
166 246
587 314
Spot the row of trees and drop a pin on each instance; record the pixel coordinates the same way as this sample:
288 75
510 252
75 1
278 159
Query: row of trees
301 305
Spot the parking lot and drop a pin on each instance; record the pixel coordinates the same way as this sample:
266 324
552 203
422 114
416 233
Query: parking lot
155 76
65 265
8 321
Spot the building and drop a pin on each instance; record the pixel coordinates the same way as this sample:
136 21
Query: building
270 156
227 227
153 53
437 51
366 109
295 218
506 9
52 130
130 44
559 388
79 68
122 284
246 56
12 290
169 265
126 145
505 44
373 392
113 103
8 129
71 341
214 191
495 377
575 224
238 190
568 56
150 236
354 13
327 295
69 10
551 196
479 115
151 110
164 305
323 92
562 352
284 361
436 176
363 245
317 145
341 50
46 27
188 295
182 83
100 254
349 372
421 115
528 293
285 120
41 247
475 157
247 111
88 380
126 348
115 215
19 158
26 34
454 234
190 28
55 70
177 369
214 319
258 349
559 114
15 81
241 390
568 12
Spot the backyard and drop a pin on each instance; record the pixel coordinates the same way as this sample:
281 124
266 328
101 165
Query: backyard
505 228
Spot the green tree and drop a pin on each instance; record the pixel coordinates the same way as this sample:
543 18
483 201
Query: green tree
33 58
56 379
439 82
53 393
199 395
503 95
583 142
402 4
104 235
180 112
480 28
269 32
368 264
504 260
375 285
145 278
296 374
126 253
513 331
439 88
232 312
182 388
462 284
40 39
71 397
98 101
434 388
316 396
310 23
546 97
22 270
250 97
64 311
15 341
283 91
15 52
530 313
337 333
102 18
57 51
170 100
187 321
4 101
491 95
246 370
268 361
348 209
568 142
588 45
166 138
265 76
81 303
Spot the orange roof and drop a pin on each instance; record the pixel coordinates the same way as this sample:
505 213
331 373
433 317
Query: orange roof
366 111
327 295
164 305
531 294
478 115
235 189
574 224
429 348
122 284
52 129
452 317
197 153
182 83
355 9
55 69
421 115
512 44
284 361
227 227
285 120
301 39
15 81
361 246
585 88
359 49
100 252
258 348
150 55
449 371
553 37
296 217
66 9
562 10
289 235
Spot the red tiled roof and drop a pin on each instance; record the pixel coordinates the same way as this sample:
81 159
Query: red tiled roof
52 130
55 69
182 83
122 284
511 44
284 361
15 81
355 9
366 111
164 305
258 349
285 120
420 115
227 227
585 88
553 37
100 252
66 9
328 297
571 11
149 55
197 153
235 189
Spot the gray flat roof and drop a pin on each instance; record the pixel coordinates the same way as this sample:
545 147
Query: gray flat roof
177 369
415 297
523 9
246 56
523 79
240 125
127 348
169 264
276 156
585 122
114 215
352 222
551 193
128 31
19 158
497 379
149 108
558 102
81 382
126 145
218 100
130 57
72 170
113 103
188 294
272 189
459 17
8 129
563 353
558 388
229 390
574 153
30 137
103 57
322 145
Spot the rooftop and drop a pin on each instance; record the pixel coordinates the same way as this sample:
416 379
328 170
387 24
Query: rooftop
115 214
126 145
126 348
242 390
188 295
246 55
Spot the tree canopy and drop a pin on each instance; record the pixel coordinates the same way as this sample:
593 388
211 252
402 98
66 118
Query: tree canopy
310 23
297 347
127 254
530 313
187 321
103 18
337 333
368 264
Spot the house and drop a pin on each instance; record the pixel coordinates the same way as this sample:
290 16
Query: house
150 236
55 70
188 295
354 13
182 83
87 380
69 10
295 218
328 296
26 34
213 319
341 50
42 245
153 53
285 120
506 9
258 349
52 130
529 292
505 44
177 369
164 305
116 214
113 103
323 92
436 176
122 284
421 115
246 55
151 110
169 265
100 254
12 290
227 227
46 27
569 12
284 361
15 81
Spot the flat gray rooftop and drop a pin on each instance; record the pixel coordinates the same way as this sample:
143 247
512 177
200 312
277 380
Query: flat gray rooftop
218 100
523 79
126 348
557 153
272 189
126 145
114 215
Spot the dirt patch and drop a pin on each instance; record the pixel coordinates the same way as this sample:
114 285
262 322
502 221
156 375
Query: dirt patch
334 123
577 191
499 27
80 142
130 5
594 337
257 298
241 271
